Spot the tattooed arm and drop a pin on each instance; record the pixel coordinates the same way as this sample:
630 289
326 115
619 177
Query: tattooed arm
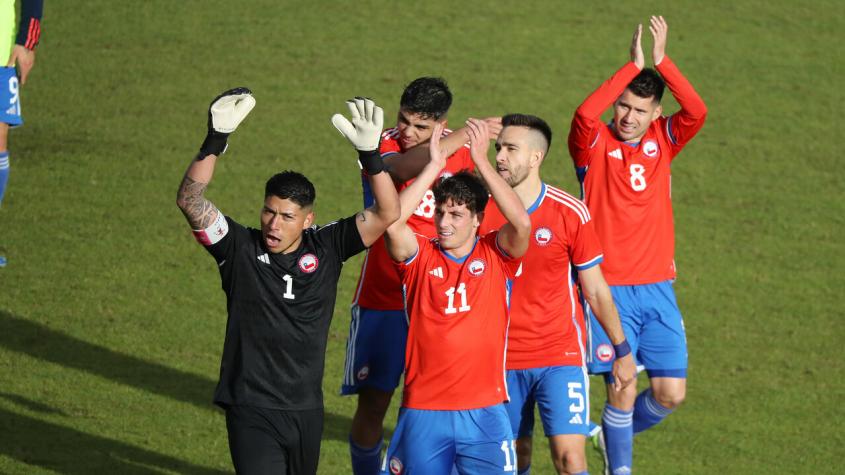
374 220
199 211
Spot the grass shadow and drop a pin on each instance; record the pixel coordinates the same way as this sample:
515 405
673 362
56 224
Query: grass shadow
38 341
66 450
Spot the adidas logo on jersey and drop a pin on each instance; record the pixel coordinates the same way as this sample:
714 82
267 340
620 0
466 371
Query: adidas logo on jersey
576 419
264 258
617 154
437 272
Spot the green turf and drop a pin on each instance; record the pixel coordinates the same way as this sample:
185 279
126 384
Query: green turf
111 317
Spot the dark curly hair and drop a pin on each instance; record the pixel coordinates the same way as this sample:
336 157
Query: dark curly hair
463 188
427 96
293 186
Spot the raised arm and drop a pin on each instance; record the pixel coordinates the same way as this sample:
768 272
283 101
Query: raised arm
587 117
364 132
598 295
689 120
400 240
405 166
224 114
513 235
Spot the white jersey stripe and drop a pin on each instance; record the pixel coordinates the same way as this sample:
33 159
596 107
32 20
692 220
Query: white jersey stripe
568 204
562 194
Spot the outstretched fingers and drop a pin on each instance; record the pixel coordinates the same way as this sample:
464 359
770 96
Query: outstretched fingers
659 31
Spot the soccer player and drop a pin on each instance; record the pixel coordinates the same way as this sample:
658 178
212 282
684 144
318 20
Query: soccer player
625 171
545 359
456 293
25 34
378 330
280 283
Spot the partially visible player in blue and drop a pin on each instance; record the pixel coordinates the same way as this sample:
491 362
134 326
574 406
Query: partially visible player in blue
19 40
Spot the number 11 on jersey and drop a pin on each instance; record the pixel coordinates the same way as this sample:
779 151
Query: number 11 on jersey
462 291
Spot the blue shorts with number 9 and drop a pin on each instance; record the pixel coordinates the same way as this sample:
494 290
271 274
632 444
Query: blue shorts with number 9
10 100
653 327
473 441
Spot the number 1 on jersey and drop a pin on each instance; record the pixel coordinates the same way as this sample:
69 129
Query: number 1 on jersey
289 287
462 290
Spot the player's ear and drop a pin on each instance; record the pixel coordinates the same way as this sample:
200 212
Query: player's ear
536 158
309 220
478 219
657 112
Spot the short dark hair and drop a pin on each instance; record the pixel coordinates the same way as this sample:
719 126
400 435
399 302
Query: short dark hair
532 122
648 84
463 188
290 185
427 96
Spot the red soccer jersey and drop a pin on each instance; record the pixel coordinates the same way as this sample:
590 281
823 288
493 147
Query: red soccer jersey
547 323
378 285
458 325
627 186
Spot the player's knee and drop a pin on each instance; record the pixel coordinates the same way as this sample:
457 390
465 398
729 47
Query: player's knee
373 404
670 398
570 461
623 399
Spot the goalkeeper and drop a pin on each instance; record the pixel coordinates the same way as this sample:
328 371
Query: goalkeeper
280 283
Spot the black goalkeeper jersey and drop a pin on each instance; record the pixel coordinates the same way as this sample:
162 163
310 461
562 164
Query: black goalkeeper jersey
280 307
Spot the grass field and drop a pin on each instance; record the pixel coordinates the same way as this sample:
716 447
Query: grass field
111 317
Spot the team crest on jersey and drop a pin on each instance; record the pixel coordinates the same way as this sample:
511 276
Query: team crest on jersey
543 236
395 466
650 148
363 373
476 267
604 352
308 263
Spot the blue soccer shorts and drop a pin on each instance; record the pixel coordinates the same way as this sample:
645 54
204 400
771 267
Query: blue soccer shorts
653 326
561 394
375 350
10 99
473 441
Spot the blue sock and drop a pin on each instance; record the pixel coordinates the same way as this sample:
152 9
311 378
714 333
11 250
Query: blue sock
525 471
4 173
648 412
618 428
365 461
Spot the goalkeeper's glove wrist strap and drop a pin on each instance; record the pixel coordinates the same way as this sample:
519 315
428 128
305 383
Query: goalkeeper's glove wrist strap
370 161
214 144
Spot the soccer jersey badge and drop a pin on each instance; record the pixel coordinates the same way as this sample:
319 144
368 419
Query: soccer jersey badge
650 148
604 352
308 263
476 267
395 466
363 373
543 236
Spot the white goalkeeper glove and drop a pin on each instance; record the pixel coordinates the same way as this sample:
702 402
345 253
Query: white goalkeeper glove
225 113
364 131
